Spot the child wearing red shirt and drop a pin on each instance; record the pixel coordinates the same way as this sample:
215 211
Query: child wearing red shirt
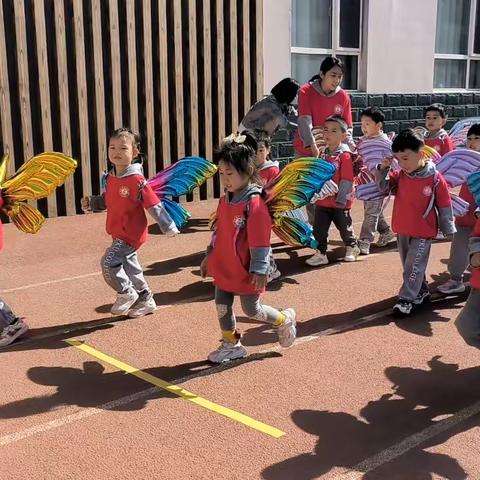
422 205
239 254
437 137
127 196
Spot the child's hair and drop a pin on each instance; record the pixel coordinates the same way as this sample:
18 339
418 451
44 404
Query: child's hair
407 139
236 151
374 113
327 64
339 120
436 107
474 129
286 90
134 138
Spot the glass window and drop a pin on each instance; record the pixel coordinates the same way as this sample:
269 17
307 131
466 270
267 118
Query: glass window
312 23
305 66
350 65
453 18
350 23
450 73
476 42
474 74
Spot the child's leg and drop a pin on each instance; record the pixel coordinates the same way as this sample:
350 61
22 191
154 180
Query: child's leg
7 317
226 317
323 219
372 210
134 272
113 266
343 222
458 261
382 225
468 322
11 327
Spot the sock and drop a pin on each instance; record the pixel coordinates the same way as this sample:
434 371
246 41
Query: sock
280 320
230 336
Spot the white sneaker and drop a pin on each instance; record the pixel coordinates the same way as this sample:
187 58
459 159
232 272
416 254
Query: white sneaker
364 247
287 332
403 306
317 259
11 332
227 351
452 286
351 254
123 302
385 238
143 307
274 274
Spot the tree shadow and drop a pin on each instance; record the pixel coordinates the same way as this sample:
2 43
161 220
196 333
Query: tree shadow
418 401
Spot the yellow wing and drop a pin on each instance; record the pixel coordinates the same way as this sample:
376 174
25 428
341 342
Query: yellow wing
26 218
3 169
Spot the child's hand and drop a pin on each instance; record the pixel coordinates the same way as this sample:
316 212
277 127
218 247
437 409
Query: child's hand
85 204
387 162
315 150
260 281
475 260
203 268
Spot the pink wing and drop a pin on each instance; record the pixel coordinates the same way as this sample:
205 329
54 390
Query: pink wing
457 165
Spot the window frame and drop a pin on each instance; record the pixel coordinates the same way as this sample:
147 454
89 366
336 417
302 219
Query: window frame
336 49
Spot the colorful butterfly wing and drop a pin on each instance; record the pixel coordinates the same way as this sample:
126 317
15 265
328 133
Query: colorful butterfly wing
374 150
25 218
294 232
473 182
177 213
369 191
430 154
3 169
460 207
458 133
456 166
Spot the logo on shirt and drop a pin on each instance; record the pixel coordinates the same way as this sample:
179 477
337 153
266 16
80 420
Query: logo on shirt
427 191
239 221
338 109
124 191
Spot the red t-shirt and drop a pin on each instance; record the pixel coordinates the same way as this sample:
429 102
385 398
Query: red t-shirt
412 198
441 143
475 279
268 174
126 202
469 219
320 107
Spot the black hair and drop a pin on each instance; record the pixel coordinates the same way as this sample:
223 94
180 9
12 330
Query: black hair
286 90
263 137
339 120
134 137
374 113
436 107
474 129
407 139
327 64
237 152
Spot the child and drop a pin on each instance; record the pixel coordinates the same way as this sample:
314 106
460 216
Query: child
372 120
336 208
458 261
422 205
238 256
437 137
126 196
468 322
272 112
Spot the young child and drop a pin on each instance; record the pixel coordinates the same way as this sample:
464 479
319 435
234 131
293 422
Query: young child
238 256
458 261
422 205
266 168
468 322
437 137
126 197
336 208
372 120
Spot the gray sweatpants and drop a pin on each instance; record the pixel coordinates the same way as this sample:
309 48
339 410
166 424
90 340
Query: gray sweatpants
251 306
458 261
468 322
414 253
373 220
121 269
6 315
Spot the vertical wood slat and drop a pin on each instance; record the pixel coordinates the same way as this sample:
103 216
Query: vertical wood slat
64 102
5 108
149 97
177 20
99 87
164 91
220 72
259 47
115 65
233 65
82 98
44 84
207 75
132 65
246 57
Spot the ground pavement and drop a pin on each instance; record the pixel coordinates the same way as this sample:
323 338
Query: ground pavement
361 395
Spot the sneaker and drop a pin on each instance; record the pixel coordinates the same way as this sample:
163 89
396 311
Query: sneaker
452 286
287 332
440 236
11 332
143 307
273 274
403 306
227 351
351 254
423 295
364 246
385 238
123 302
317 259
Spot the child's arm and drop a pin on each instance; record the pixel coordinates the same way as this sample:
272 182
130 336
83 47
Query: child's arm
305 122
474 245
163 219
443 202
345 185
93 203
385 179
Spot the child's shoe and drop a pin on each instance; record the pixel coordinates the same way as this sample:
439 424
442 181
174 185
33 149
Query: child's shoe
273 273
351 254
124 302
287 332
227 351
11 332
143 307
364 246
403 306
423 295
317 259
385 238
452 286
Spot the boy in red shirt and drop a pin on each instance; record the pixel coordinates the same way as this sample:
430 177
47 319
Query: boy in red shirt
336 208
267 169
437 137
422 205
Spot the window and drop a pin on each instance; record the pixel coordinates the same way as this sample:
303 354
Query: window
326 27
457 45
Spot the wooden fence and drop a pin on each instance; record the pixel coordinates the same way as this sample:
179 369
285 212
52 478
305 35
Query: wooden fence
181 72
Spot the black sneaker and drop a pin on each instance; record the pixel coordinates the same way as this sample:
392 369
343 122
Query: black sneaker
403 306
421 297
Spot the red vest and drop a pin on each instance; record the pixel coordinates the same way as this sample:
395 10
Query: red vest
237 231
475 279
126 201
268 174
469 219
442 144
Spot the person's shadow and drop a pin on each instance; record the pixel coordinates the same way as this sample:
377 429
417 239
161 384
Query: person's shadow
418 399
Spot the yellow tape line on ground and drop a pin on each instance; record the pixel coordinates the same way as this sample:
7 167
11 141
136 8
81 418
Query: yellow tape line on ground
181 392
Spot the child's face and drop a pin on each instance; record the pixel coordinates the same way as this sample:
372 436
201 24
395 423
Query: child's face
333 134
262 154
121 151
332 79
473 142
370 128
434 121
232 180
410 160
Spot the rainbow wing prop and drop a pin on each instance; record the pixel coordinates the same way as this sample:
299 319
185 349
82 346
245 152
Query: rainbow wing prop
294 232
374 150
34 180
430 154
473 182
369 191
459 206
458 133
457 165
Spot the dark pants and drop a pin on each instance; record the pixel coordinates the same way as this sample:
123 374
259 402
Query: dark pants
468 322
341 219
